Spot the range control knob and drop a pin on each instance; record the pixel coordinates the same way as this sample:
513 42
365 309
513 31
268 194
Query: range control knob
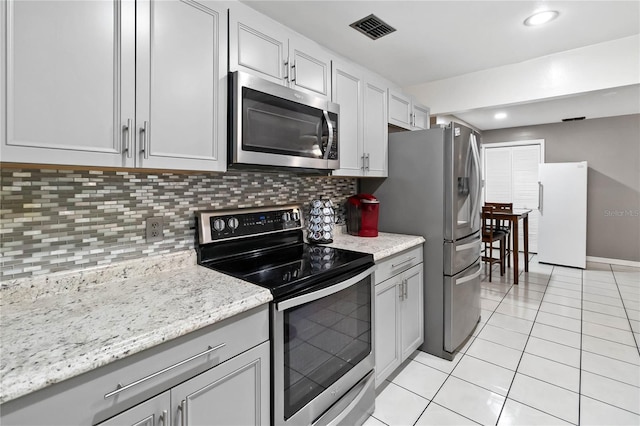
295 215
218 225
286 217
233 223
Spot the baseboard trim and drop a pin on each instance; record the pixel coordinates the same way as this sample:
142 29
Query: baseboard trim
613 261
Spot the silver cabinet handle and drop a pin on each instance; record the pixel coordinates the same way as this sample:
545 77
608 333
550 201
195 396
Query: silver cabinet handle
406 288
368 160
127 141
163 417
293 72
183 415
286 71
362 162
145 138
400 286
395 265
121 388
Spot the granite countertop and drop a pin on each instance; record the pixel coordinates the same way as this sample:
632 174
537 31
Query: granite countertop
384 245
59 326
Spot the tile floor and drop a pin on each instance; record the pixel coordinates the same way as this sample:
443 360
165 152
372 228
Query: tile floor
559 348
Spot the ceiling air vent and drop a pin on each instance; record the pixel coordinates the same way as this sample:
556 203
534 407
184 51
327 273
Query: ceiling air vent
373 27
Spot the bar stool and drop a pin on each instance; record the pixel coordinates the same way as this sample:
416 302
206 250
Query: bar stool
491 234
504 225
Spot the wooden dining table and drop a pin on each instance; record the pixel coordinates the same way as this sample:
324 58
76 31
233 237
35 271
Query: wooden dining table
514 216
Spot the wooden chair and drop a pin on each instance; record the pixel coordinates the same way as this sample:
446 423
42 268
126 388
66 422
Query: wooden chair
505 226
491 234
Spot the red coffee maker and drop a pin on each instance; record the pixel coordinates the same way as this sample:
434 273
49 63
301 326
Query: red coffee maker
362 215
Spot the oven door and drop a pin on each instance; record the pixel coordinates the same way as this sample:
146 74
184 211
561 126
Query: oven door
275 125
321 350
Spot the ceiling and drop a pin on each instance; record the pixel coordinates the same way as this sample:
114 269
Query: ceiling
440 39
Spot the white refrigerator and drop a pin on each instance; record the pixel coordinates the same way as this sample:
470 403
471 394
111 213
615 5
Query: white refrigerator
562 229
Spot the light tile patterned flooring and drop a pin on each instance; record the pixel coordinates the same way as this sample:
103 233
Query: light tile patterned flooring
559 348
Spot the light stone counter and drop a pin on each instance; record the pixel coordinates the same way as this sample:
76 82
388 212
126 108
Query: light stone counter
58 327
384 245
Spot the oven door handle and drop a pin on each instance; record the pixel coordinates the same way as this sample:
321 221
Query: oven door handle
310 297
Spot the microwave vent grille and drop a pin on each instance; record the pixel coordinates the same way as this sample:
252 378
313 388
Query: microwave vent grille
373 27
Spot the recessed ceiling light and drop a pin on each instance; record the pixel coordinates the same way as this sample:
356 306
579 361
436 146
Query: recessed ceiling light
540 18
500 115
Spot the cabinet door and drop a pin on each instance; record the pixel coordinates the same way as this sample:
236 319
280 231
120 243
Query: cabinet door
181 87
387 317
310 67
420 117
347 92
399 109
234 393
376 134
69 74
257 44
412 311
153 412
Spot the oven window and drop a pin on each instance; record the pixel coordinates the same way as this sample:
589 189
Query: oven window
323 340
278 126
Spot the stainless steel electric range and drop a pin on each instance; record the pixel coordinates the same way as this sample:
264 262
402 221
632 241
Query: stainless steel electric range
321 314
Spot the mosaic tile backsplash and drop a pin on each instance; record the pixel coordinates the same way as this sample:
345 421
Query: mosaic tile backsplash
61 220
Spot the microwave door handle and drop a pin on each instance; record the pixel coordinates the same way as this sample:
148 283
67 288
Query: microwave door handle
330 141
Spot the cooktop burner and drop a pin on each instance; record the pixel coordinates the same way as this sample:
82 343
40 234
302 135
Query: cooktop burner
291 268
266 247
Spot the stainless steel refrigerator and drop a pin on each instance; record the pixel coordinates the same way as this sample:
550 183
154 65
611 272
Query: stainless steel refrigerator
433 190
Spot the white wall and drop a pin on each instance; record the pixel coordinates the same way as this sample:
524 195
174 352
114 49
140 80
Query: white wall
596 67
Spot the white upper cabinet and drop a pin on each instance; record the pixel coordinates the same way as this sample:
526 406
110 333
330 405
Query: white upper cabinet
363 142
69 76
347 87
86 97
263 47
376 133
405 112
181 85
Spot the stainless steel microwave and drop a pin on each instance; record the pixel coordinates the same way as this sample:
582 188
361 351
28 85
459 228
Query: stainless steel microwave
273 125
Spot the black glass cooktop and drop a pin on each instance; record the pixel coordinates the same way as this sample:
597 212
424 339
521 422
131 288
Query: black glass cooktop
293 268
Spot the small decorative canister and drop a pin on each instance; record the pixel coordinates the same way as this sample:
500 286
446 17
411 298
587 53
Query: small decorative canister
320 224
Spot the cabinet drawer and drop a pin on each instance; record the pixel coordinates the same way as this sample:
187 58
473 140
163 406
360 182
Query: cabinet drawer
397 263
81 400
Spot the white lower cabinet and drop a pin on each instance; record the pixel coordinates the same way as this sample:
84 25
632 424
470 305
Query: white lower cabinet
399 313
153 412
217 375
233 393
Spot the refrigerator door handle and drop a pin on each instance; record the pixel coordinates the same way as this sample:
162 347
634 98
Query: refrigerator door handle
540 197
475 211
469 246
469 277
